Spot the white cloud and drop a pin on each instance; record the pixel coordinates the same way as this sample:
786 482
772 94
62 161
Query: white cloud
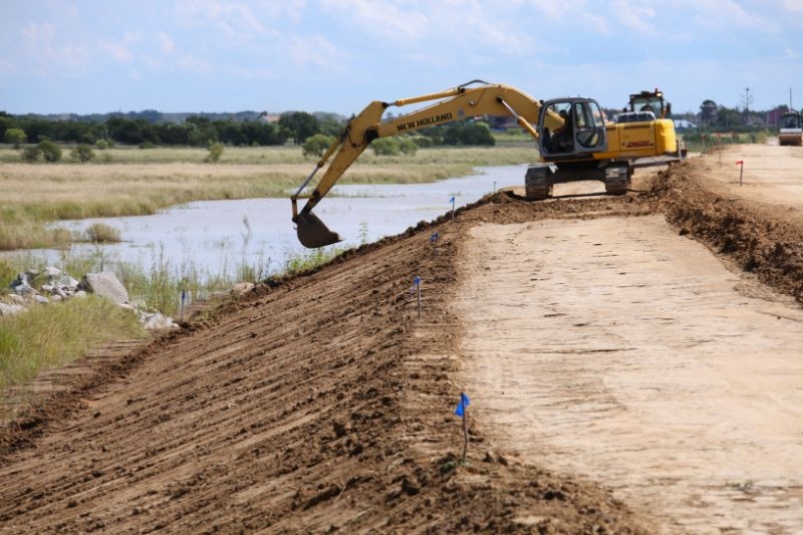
132 37
233 19
793 5
314 50
384 20
38 35
46 55
117 52
635 14
166 43
7 67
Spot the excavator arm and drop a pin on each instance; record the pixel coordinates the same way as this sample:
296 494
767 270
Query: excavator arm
454 104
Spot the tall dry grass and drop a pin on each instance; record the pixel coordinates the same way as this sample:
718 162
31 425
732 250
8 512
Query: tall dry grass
49 336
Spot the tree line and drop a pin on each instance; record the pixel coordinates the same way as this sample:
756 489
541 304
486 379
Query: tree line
201 131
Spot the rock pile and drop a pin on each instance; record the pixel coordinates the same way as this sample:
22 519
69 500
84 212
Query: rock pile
58 286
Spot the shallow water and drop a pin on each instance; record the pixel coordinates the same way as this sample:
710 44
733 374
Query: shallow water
214 238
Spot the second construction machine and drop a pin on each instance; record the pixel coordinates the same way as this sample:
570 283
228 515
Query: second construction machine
791 131
574 143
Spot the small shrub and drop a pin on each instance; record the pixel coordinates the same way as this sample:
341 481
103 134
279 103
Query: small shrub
386 146
147 145
102 233
61 236
82 153
102 144
215 152
50 150
423 142
30 154
316 145
407 146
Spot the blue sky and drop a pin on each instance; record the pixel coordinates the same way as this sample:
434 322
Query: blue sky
92 56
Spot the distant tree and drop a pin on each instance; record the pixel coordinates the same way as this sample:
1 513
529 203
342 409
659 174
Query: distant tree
264 133
16 136
300 125
708 111
38 129
130 132
200 132
316 145
728 118
331 127
82 153
50 150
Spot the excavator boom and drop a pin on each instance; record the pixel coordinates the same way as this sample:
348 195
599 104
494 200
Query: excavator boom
452 105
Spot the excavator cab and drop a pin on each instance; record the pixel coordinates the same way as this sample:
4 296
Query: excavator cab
581 133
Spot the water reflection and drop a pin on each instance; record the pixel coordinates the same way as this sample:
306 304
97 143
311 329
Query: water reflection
213 238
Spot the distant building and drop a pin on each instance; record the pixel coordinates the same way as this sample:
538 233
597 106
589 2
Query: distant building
683 124
774 116
269 117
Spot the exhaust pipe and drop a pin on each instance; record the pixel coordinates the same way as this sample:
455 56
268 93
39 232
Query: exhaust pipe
312 233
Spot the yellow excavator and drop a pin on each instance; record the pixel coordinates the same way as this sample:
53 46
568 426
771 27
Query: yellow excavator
650 101
574 141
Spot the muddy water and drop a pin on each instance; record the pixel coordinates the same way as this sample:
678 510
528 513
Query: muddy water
214 238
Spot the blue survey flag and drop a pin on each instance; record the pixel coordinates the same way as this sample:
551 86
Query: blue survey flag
461 407
416 285
451 200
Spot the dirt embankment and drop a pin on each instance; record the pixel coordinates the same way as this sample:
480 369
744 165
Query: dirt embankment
324 403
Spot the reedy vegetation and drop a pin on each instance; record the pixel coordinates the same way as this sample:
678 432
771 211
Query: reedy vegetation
46 337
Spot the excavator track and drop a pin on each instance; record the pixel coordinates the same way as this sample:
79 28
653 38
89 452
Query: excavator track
537 185
617 178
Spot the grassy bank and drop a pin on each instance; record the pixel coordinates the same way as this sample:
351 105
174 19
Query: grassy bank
47 337
133 181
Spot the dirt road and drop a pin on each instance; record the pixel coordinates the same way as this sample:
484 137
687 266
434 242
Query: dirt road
623 378
617 350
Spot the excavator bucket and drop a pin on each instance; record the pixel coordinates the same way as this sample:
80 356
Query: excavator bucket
312 233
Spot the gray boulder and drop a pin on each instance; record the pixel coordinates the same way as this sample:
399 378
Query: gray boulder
105 284
7 309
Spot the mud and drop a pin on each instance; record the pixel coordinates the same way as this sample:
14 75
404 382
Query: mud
324 403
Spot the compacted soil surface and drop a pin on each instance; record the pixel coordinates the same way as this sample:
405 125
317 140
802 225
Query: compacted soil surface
631 363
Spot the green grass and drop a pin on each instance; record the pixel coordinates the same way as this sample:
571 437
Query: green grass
49 336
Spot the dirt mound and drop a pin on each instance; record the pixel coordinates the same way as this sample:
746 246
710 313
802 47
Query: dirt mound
325 403
757 237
